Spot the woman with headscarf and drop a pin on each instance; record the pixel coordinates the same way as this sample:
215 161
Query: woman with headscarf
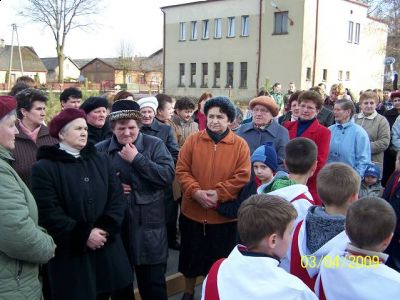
23 244
81 204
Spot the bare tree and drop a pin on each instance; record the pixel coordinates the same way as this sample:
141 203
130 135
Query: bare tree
61 16
125 58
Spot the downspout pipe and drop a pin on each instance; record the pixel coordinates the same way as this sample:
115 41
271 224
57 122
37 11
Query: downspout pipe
259 47
315 43
164 50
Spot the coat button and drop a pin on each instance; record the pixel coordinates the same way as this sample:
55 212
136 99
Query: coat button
86 179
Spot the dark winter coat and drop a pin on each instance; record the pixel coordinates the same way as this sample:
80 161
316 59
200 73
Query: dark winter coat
96 135
149 174
326 117
25 151
166 134
392 195
75 195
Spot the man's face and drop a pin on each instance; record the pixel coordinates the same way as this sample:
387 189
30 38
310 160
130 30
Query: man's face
72 102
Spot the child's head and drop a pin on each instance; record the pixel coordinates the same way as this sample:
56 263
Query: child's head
265 163
184 108
370 223
265 223
301 156
338 185
371 174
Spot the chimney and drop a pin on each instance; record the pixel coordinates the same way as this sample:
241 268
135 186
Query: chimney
2 43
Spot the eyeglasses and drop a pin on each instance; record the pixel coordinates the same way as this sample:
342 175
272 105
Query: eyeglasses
260 110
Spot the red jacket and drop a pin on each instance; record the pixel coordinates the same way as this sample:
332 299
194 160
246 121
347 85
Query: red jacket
322 137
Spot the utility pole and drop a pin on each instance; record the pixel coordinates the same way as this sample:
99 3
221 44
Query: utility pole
14 29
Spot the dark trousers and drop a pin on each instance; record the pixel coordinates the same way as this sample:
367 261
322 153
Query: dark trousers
125 293
151 281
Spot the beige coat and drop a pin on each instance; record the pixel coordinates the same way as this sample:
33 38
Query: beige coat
378 131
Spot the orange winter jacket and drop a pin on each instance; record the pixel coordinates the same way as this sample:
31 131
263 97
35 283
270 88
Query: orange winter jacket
204 165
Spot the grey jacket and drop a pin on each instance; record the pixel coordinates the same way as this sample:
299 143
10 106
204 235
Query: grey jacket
274 135
149 174
375 190
23 244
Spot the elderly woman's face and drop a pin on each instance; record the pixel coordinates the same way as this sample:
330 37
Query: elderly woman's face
97 117
75 134
126 131
148 115
8 132
368 106
341 115
217 121
261 115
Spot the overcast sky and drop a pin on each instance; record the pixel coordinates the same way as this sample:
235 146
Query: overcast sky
140 22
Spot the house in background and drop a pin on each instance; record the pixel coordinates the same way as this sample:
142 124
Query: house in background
32 65
134 71
231 47
71 69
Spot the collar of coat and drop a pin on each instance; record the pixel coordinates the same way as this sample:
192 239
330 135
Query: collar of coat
156 125
272 129
5 154
370 117
115 146
228 139
43 131
55 154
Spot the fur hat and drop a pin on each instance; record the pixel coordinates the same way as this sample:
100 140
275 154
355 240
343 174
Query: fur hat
266 101
124 110
7 104
267 155
372 170
148 102
92 103
63 118
224 104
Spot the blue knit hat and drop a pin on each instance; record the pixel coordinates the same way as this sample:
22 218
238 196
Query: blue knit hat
224 104
372 170
267 155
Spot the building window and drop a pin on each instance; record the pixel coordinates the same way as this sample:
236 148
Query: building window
229 74
245 26
204 77
324 75
193 35
182 31
347 75
218 28
308 74
281 22
350 32
143 81
217 75
181 75
340 75
357 35
243 74
231 26
193 75
205 29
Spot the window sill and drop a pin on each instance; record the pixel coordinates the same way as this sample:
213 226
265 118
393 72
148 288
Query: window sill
181 40
181 85
192 40
216 87
205 39
204 86
229 87
230 37
192 86
244 36
217 38
280 33
243 87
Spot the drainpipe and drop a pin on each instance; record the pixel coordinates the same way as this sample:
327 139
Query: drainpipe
259 47
163 81
315 43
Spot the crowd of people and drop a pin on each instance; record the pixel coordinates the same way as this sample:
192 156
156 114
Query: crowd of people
299 200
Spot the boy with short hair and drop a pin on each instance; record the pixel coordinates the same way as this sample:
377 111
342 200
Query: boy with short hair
264 162
301 162
359 271
371 184
323 228
251 271
182 119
